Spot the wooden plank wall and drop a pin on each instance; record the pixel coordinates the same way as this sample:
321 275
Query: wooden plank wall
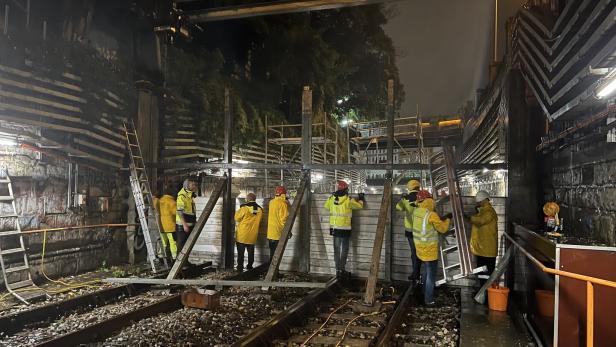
321 243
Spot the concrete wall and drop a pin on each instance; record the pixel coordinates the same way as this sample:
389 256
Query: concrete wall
321 243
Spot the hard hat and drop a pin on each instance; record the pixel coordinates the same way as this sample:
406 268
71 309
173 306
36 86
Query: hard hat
423 195
551 209
342 185
481 195
413 184
251 197
281 190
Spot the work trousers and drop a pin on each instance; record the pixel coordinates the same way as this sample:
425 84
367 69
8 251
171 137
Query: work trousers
341 251
489 262
273 244
241 248
416 263
181 236
429 280
169 243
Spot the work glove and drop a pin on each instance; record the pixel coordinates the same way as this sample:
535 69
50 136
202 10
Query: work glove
361 197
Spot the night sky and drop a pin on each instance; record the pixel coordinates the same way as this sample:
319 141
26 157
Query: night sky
445 49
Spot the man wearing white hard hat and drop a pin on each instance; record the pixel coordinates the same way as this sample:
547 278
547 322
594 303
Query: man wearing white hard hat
484 234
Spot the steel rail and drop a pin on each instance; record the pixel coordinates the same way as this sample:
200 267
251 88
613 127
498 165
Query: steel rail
396 318
16 322
106 328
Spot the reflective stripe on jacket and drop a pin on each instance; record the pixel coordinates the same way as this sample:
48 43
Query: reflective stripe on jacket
484 234
166 208
248 218
408 204
276 216
185 205
426 226
341 210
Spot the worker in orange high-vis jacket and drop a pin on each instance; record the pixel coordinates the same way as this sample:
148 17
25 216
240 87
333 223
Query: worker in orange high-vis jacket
426 226
340 206
277 215
248 218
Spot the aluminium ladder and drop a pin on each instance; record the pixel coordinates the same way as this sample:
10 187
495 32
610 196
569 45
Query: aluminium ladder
12 246
140 185
443 174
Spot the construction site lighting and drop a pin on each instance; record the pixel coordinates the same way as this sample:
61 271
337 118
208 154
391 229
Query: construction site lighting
607 88
449 122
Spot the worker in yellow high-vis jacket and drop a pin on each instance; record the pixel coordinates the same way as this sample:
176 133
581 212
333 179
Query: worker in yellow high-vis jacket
484 233
248 218
277 215
426 226
185 217
166 208
408 203
340 206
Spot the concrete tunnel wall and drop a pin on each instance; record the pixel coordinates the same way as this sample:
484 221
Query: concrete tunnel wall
208 246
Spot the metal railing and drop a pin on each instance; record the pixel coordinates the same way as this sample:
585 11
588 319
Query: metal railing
590 289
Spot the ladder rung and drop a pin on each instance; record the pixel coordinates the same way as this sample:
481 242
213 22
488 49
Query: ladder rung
12 251
450 248
21 284
9 216
130 133
17 268
132 145
452 266
4 181
6 198
9 233
136 156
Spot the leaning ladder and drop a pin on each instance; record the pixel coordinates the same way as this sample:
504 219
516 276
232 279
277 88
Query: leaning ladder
459 249
12 245
140 186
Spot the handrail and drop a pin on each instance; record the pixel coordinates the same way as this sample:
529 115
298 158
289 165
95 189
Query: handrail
590 281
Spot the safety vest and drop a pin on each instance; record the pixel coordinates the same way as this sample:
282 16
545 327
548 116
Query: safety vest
248 218
185 205
276 216
408 204
425 235
341 211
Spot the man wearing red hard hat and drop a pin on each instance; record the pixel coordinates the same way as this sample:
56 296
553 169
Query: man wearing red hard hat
340 206
277 216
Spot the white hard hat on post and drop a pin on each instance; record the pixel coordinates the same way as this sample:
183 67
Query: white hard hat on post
481 195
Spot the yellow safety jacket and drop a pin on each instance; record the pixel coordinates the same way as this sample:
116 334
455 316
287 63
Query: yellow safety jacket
484 234
408 204
426 226
277 216
341 210
248 218
185 205
166 208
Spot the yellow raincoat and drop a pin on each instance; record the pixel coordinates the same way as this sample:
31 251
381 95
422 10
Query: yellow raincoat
341 210
166 207
426 224
408 204
277 216
248 218
484 234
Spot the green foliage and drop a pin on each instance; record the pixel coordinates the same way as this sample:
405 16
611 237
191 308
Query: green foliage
266 61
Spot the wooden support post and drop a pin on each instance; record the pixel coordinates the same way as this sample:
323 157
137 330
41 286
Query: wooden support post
391 138
305 228
235 283
228 242
272 272
194 235
378 243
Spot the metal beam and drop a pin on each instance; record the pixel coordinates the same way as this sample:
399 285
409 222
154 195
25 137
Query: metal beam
327 167
194 235
272 272
272 8
390 126
378 244
228 283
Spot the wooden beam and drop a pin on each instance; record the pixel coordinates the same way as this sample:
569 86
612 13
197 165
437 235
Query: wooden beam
194 235
228 202
378 243
156 281
272 272
305 229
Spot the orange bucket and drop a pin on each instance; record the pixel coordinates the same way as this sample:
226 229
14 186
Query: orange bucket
545 301
497 298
